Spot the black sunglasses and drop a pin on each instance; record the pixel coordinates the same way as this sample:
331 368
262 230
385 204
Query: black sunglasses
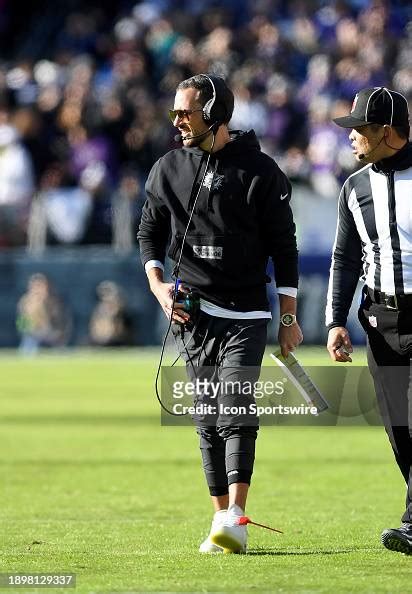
181 113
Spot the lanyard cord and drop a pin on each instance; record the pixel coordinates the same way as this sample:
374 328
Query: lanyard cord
177 281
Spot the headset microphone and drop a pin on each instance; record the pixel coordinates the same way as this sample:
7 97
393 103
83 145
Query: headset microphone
363 155
180 138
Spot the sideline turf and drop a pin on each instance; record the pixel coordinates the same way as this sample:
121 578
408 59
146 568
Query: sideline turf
90 483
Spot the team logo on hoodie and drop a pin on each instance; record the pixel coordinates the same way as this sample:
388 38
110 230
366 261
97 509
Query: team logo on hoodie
207 182
218 181
213 181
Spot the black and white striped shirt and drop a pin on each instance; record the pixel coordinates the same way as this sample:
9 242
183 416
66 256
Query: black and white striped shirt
374 234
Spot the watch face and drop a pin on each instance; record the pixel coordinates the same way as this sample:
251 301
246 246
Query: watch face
287 319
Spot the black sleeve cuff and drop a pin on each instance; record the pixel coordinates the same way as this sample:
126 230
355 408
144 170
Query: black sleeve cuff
336 325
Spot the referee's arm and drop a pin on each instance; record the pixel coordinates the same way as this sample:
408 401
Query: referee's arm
344 275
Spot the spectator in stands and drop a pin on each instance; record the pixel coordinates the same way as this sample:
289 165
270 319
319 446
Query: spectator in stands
16 187
110 324
94 181
60 212
322 149
127 204
42 319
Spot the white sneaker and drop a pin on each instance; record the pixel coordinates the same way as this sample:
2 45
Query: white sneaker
229 535
207 545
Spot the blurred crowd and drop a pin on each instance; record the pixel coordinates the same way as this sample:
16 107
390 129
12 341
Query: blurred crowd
82 123
45 321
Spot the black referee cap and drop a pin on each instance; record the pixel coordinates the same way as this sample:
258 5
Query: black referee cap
376 105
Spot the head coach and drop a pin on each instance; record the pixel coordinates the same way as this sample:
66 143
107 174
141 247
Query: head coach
219 208
374 240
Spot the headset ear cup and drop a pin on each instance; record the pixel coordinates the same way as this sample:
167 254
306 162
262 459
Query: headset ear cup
219 113
213 112
216 110
206 110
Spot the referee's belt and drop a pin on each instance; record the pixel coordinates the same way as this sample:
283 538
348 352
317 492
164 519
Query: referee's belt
397 302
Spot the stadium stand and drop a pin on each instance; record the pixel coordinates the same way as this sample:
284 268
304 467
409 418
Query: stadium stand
85 88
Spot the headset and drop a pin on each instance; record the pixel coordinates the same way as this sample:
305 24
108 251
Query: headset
362 156
219 108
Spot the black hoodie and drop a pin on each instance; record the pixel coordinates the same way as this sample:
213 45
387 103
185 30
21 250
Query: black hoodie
242 217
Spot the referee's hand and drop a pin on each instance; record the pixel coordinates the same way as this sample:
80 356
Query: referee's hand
339 345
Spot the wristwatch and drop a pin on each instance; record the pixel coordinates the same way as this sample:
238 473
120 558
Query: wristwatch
287 319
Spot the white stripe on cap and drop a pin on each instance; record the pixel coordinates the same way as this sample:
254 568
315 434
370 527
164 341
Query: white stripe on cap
404 98
390 95
370 97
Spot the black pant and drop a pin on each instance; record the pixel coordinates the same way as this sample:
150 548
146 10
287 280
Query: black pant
389 349
228 352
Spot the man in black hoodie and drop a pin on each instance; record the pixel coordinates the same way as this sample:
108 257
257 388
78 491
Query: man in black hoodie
224 207
374 241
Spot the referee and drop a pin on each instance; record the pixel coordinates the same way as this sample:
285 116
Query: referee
374 241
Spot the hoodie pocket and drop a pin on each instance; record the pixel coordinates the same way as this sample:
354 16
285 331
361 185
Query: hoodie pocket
198 247
222 255
229 255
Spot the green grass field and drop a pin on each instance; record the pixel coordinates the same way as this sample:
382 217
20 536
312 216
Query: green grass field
91 484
